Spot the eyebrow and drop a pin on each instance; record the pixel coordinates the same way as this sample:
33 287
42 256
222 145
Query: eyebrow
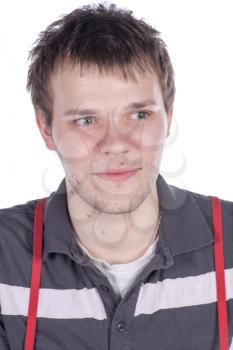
133 105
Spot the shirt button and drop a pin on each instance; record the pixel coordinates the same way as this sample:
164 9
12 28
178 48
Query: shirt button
104 289
120 326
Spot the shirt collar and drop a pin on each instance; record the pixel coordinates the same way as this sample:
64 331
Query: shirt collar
183 226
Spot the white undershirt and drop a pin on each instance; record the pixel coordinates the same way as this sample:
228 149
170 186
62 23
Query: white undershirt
121 276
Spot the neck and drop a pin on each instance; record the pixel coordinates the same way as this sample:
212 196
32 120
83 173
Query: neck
116 238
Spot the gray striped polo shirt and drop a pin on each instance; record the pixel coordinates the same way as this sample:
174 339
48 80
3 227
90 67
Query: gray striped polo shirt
172 303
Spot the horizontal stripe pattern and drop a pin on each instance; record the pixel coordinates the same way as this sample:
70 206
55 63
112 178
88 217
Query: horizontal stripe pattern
181 292
53 303
86 303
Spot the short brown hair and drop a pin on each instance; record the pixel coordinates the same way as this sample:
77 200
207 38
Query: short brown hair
104 36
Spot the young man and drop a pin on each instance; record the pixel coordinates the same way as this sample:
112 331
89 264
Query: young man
127 259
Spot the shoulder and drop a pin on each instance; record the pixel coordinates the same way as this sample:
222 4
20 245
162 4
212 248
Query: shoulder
16 226
204 202
19 214
205 206
16 243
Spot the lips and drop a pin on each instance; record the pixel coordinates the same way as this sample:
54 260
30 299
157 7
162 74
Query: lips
118 171
118 174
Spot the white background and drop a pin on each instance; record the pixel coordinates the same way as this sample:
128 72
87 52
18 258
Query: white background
198 35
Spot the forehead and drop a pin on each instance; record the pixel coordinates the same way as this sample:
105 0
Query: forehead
69 84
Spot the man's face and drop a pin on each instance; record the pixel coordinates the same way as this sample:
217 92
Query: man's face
113 134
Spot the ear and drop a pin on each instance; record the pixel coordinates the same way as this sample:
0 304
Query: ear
169 119
45 132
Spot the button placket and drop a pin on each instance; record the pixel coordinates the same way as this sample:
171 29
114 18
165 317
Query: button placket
120 327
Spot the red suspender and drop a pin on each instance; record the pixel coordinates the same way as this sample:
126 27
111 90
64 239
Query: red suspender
220 274
36 270
35 275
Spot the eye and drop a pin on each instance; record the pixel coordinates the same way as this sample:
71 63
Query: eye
85 121
142 114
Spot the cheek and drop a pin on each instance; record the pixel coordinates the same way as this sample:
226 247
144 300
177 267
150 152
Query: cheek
151 145
152 136
75 152
72 146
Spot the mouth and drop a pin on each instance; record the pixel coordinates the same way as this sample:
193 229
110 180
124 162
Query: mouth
118 176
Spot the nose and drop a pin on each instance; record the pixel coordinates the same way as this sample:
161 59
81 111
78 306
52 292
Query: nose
114 140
